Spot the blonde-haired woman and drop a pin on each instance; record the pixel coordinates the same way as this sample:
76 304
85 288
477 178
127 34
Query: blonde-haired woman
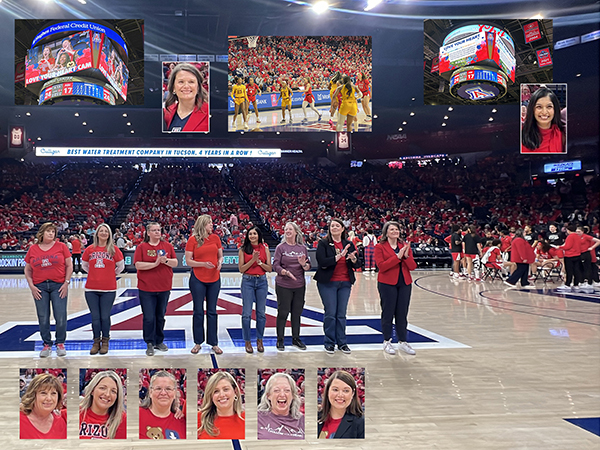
102 261
48 270
290 262
101 410
221 415
204 254
279 415
40 417
154 260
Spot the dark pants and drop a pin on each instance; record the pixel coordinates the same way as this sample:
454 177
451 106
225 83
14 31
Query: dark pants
76 262
154 308
289 300
100 305
520 273
573 270
586 263
395 301
335 296
200 291
50 296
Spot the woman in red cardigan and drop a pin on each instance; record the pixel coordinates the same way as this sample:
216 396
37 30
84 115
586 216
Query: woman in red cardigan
394 259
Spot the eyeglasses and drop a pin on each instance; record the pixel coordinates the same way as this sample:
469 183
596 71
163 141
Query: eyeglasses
168 390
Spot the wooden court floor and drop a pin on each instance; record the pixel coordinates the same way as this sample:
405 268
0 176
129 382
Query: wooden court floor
495 368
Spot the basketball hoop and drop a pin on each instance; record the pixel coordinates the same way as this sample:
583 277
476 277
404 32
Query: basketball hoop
252 40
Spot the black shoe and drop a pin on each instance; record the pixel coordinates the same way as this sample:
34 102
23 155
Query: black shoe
280 345
330 349
344 349
161 347
150 350
296 342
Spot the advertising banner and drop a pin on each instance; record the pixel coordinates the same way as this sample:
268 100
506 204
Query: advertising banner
158 152
544 57
269 100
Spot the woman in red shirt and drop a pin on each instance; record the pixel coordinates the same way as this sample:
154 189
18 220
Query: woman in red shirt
394 259
101 410
221 415
48 272
154 260
254 262
102 261
573 262
337 258
39 416
76 254
204 254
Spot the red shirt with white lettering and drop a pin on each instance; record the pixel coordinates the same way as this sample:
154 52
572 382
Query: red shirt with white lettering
160 278
93 426
101 274
29 431
48 264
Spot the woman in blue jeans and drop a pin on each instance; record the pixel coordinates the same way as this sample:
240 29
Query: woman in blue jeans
48 269
336 259
102 261
254 262
204 254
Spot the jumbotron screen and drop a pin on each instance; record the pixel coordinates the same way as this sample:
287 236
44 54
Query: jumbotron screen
75 53
473 44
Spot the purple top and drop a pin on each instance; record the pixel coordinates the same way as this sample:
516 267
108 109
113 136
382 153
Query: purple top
286 257
272 426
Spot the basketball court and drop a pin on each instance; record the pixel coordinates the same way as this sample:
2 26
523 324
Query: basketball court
495 368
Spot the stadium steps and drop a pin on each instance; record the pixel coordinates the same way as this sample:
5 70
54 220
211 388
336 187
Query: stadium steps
249 209
121 213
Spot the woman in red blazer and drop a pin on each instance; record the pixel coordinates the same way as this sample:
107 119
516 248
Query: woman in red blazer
394 259
186 106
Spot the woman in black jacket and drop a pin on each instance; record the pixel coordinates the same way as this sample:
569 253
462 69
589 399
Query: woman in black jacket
341 415
336 259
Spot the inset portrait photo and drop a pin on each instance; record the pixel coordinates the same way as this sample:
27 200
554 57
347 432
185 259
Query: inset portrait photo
281 404
544 118
185 97
162 403
221 404
341 403
102 403
43 405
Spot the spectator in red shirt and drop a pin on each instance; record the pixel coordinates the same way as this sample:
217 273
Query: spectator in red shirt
573 264
154 260
76 253
48 269
103 261
39 416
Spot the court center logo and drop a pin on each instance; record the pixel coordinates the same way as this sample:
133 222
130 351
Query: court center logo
364 332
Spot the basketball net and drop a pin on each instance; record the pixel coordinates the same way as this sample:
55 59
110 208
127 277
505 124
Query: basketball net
252 40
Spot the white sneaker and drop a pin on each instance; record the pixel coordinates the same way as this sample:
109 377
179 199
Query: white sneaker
564 287
388 347
246 126
258 120
595 284
406 348
585 287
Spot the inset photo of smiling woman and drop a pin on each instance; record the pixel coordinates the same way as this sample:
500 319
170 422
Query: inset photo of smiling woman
544 118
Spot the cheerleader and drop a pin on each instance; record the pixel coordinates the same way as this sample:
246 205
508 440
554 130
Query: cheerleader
364 85
309 100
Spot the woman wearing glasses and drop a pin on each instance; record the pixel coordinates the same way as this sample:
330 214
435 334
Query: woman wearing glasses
160 409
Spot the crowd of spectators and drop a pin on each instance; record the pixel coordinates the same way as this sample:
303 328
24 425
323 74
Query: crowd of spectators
425 199
294 57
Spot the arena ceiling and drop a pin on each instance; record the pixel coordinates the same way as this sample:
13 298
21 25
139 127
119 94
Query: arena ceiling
397 28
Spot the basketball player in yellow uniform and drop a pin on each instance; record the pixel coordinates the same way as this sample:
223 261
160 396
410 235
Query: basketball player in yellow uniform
285 94
239 96
348 106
